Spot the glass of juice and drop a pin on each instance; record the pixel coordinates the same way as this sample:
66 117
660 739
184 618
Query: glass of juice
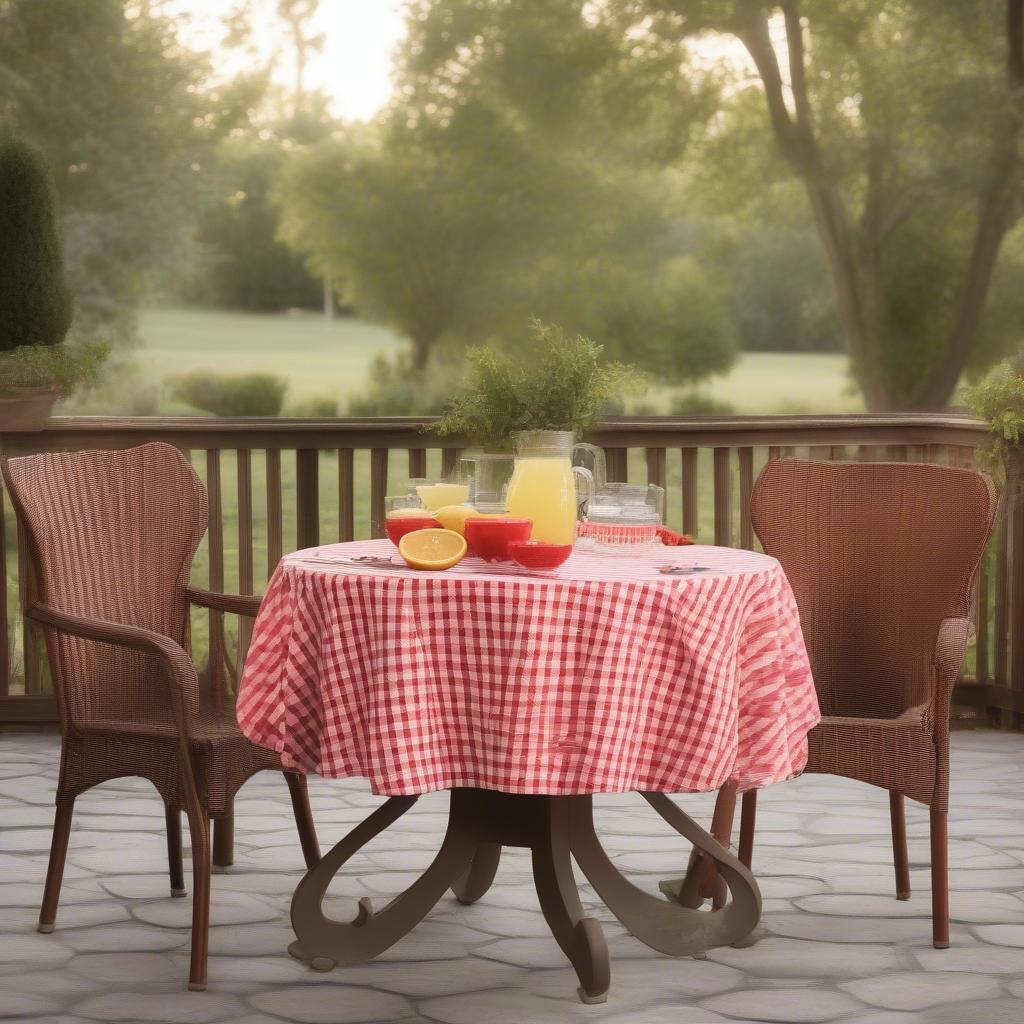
403 514
435 494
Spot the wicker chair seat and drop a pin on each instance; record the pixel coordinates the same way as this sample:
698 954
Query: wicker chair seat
876 751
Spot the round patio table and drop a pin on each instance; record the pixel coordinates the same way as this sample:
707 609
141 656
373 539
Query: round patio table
524 693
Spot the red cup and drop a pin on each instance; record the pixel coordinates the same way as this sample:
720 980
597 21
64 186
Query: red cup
398 526
490 538
535 554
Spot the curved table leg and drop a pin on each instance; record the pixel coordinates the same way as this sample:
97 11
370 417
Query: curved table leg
581 938
667 926
325 943
479 875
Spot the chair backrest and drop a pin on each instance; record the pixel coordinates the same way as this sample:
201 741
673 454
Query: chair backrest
878 554
111 535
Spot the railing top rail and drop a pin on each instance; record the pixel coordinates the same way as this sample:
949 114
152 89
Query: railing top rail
65 432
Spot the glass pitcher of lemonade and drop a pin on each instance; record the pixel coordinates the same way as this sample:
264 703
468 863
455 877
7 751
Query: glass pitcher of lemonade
543 484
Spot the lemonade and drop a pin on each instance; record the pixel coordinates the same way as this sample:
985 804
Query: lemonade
544 490
435 496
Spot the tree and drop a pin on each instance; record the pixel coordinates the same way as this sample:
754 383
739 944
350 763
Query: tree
120 112
520 170
240 263
35 307
902 119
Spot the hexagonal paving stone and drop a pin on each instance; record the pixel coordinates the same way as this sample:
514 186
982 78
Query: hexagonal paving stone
917 991
165 1008
795 958
21 1006
226 908
333 1004
783 1005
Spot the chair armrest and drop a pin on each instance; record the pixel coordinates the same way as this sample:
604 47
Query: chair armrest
236 604
180 672
951 645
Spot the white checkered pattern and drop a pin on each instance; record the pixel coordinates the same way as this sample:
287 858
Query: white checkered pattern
605 676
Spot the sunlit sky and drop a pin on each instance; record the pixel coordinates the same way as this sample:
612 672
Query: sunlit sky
354 67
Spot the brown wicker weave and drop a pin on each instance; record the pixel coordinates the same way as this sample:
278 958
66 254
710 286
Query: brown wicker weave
112 536
881 558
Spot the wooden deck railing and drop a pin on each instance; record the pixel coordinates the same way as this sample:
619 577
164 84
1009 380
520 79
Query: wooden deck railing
276 485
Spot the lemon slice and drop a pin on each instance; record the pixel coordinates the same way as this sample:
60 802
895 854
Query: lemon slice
453 517
432 549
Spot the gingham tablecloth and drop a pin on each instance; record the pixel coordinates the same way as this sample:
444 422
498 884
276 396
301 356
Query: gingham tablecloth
606 676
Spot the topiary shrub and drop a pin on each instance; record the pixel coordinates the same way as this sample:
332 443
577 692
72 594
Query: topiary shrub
248 394
35 305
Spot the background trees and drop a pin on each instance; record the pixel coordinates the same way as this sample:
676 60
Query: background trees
902 120
524 168
679 179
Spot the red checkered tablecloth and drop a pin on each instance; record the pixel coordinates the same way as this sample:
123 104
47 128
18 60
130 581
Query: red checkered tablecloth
605 676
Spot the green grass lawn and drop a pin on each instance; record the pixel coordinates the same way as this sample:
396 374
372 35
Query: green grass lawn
319 359
329 360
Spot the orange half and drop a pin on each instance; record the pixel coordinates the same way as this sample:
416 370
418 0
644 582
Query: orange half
432 549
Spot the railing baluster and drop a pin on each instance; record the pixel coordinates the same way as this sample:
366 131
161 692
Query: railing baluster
449 460
981 622
346 495
307 498
417 463
820 453
215 547
1017 595
29 630
1002 608
5 637
617 460
275 516
774 452
746 489
243 458
656 466
690 524
723 497
378 489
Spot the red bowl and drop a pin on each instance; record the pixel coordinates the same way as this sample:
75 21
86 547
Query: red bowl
490 538
398 526
535 554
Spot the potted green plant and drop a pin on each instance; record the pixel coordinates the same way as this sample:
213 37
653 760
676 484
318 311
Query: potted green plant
35 305
560 384
999 400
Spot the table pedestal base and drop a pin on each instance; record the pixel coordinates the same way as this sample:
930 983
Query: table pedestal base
555 829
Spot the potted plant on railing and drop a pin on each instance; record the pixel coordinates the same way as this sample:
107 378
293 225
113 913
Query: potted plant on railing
538 406
999 400
35 306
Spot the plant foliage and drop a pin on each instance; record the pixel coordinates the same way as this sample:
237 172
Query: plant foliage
35 305
244 394
561 384
999 400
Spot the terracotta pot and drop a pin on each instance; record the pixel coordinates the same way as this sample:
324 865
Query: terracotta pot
26 410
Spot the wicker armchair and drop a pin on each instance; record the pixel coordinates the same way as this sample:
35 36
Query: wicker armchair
881 558
112 536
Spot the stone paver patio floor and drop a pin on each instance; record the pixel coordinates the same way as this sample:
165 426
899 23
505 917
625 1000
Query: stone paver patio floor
835 943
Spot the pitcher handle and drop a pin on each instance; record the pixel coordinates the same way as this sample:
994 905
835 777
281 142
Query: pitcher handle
584 493
597 461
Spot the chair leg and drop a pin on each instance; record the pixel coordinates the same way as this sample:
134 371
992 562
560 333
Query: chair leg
748 818
174 857
303 817
224 837
900 857
940 880
55 868
199 830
